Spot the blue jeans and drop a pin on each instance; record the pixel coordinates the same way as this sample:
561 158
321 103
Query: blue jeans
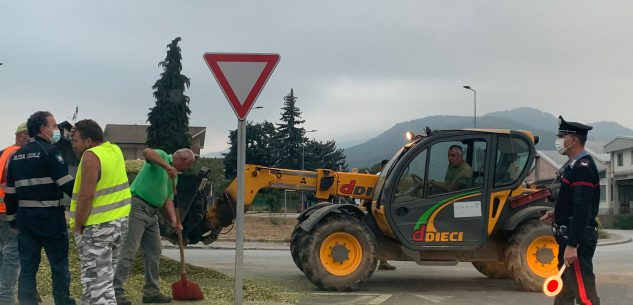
9 263
43 228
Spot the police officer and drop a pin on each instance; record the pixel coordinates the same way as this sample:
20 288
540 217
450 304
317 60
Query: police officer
37 177
574 217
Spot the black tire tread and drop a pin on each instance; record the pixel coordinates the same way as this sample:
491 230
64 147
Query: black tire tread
515 261
493 270
310 258
297 240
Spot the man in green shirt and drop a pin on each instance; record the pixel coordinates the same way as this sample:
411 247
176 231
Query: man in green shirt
152 190
458 175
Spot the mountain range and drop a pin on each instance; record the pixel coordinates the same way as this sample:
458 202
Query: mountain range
539 123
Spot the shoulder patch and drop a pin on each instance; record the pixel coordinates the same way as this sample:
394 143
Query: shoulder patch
584 162
59 158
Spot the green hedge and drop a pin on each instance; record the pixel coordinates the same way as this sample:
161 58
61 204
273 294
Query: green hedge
624 222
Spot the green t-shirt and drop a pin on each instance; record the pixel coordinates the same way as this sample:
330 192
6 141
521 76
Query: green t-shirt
457 178
152 183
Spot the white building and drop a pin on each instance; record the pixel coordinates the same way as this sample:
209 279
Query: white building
620 173
548 162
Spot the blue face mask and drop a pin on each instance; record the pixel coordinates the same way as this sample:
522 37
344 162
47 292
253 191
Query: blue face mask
56 135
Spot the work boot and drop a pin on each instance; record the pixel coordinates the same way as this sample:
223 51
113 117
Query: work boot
384 265
122 300
156 298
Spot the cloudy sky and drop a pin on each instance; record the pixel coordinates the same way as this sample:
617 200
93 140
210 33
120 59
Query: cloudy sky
357 66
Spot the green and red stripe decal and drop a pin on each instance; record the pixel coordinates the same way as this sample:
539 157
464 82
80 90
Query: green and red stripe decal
425 217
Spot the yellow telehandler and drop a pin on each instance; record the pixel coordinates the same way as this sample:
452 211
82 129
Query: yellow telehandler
409 213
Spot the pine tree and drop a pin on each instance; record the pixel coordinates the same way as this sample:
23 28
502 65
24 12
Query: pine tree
169 118
260 139
289 135
324 155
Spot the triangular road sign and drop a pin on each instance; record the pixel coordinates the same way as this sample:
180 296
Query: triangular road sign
241 77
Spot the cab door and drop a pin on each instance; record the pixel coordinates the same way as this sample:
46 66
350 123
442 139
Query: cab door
432 202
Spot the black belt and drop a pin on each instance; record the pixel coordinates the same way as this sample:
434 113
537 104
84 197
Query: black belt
561 231
155 209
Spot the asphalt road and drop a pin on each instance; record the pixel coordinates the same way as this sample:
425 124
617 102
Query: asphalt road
412 284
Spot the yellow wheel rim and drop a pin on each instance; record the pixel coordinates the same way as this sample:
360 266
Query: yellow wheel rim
341 254
542 256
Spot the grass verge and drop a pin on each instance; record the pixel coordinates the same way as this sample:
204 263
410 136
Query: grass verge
216 286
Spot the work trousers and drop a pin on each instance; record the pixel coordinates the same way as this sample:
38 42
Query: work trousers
98 247
9 263
144 232
579 281
43 228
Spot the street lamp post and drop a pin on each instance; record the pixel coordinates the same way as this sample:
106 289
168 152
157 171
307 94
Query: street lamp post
475 112
303 152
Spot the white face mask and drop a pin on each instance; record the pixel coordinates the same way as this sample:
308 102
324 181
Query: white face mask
56 135
560 146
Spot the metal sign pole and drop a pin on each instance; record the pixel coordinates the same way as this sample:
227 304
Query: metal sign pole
239 242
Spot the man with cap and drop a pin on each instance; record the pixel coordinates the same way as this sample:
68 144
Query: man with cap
9 255
574 217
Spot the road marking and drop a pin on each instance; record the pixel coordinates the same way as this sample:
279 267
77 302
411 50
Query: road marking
433 298
380 299
361 298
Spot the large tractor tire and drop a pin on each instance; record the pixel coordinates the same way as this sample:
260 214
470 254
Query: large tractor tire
493 270
532 255
339 254
297 241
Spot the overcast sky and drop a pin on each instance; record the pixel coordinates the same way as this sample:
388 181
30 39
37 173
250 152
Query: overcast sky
358 67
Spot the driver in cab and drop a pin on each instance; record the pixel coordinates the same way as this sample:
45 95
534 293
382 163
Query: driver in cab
458 175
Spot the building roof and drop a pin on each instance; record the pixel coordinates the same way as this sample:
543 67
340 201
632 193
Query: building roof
619 143
596 150
137 134
552 157
557 160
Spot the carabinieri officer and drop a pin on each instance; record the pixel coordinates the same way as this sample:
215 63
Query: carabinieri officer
574 217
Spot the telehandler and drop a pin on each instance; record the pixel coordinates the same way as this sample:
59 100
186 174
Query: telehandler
490 221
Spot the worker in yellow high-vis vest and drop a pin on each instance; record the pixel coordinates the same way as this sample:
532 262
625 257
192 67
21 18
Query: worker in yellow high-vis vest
99 210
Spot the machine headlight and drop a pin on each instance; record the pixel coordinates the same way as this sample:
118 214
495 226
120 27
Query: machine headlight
409 135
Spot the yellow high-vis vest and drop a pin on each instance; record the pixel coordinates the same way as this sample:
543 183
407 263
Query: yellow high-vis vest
112 194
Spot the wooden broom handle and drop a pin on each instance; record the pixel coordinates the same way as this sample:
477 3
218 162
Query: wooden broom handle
180 241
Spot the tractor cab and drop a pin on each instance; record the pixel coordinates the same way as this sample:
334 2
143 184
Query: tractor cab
448 189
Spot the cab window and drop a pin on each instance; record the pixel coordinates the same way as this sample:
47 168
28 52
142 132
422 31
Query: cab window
511 160
455 166
410 186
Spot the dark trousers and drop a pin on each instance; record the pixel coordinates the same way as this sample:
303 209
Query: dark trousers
579 281
43 228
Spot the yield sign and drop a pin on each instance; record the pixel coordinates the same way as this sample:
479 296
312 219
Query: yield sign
241 77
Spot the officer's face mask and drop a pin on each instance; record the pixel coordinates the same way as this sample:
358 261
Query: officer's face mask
56 135
560 145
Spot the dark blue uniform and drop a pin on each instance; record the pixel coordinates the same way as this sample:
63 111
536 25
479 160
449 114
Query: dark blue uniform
575 222
37 179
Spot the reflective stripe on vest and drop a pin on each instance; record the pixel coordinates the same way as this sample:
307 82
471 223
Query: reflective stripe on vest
38 203
112 195
3 163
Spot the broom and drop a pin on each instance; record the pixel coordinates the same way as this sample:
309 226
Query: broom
183 289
